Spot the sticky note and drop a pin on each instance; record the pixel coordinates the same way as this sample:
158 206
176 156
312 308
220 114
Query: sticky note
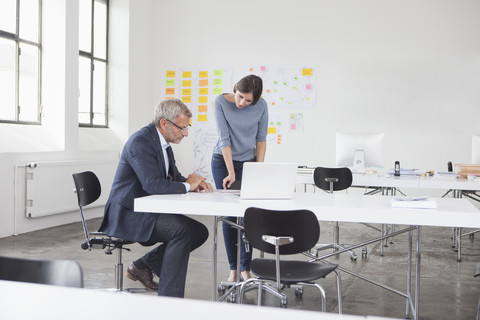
187 74
203 83
202 117
202 99
293 126
218 82
263 68
217 90
307 72
203 91
202 108
272 130
308 86
203 74
170 82
186 92
218 73
170 91
186 83
170 74
186 99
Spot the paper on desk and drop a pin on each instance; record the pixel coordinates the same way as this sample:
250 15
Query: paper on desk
414 203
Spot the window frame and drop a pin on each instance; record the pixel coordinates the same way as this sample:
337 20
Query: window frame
93 59
16 38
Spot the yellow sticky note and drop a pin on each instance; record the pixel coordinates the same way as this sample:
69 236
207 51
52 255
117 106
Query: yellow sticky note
272 130
203 83
170 74
217 90
203 91
187 83
202 108
202 99
186 92
186 99
170 83
218 73
170 91
218 82
307 72
187 74
203 74
202 117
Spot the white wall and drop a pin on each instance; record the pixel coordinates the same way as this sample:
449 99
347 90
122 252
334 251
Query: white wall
407 68
410 69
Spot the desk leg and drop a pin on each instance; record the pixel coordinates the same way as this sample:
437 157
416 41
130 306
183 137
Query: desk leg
417 271
409 274
214 258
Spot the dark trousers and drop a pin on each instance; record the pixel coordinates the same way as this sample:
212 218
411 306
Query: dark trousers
179 235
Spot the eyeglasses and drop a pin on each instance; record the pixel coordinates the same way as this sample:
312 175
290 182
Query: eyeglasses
180 128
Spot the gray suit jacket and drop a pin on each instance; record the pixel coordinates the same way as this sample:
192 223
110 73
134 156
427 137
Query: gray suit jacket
140 172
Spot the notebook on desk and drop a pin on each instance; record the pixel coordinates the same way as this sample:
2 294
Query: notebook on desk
268 180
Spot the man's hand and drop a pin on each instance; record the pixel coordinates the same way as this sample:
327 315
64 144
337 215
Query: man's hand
197 183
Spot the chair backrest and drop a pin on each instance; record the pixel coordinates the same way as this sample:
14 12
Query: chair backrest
65 273
87 187
343 177
302 225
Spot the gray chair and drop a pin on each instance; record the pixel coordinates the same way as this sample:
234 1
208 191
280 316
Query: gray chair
65 273
285 233
88 190
330 180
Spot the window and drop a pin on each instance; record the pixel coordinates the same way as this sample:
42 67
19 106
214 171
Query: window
20 61
93 63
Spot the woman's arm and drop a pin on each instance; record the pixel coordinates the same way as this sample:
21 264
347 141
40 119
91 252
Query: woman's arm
227 157
261 149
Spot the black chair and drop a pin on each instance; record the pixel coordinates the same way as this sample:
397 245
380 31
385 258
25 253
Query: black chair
285 233
65 273
330 180
88 190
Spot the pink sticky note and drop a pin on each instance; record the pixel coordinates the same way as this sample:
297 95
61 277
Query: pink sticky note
263 68
293 126
308 87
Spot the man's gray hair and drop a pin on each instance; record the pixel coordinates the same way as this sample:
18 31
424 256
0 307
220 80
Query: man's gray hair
170 109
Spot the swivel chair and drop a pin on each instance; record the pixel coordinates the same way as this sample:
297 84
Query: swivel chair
330 180
285 233
65 273
88 190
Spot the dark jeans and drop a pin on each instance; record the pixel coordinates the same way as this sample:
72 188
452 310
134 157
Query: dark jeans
169 261
219 171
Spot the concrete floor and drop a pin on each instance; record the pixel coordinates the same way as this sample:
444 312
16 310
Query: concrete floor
448 288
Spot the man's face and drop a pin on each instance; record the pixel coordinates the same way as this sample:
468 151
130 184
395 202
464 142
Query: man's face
176 129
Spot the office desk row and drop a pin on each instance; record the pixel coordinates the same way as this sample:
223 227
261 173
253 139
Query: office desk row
22 300
328 207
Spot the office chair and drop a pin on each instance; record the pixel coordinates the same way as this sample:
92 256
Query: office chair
330 180
88 190
65 273
285 233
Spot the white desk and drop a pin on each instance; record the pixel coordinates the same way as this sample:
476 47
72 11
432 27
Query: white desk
327 207
28 301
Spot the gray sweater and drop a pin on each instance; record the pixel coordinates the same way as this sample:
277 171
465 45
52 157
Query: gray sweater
240 129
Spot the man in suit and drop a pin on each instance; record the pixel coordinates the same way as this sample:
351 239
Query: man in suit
146 167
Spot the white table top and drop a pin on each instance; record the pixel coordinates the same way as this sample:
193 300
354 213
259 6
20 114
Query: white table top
34 301
328 207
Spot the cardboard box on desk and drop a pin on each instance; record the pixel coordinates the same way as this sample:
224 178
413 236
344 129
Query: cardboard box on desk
465 169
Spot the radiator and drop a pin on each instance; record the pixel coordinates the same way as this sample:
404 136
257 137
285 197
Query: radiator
50 188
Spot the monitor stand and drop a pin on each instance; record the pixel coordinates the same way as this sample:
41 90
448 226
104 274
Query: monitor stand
359 161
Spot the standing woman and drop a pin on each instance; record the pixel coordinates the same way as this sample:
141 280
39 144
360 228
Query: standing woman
242 121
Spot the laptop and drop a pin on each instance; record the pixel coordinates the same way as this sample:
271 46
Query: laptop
268 180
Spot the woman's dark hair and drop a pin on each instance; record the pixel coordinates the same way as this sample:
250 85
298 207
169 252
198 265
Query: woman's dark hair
250 83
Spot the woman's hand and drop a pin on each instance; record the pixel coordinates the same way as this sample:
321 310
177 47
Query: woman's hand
227 182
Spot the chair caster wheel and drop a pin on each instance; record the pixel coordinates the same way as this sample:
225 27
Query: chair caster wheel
353 257
232 298
283 304
298 293
364 252
221 289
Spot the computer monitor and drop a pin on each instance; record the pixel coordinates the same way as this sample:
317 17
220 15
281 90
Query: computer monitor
359 150
476 148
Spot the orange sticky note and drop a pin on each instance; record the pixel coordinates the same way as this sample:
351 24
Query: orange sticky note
203 83
170 91
202 108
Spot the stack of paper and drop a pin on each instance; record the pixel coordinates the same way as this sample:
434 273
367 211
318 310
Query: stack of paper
414 202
